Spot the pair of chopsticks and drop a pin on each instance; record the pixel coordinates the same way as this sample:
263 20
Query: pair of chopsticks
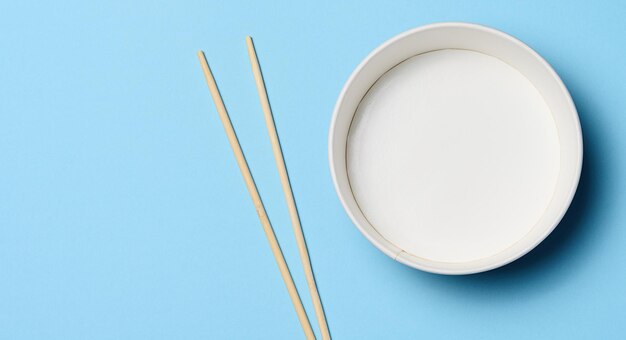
256 198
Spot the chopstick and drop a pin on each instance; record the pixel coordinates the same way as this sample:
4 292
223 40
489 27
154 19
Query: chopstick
284 180
256 198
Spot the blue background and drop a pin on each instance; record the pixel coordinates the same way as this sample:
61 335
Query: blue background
123 214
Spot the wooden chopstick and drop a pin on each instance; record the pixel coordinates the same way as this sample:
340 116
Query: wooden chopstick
256 198
284 180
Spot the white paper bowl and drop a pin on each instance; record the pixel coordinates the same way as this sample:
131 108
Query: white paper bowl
457 161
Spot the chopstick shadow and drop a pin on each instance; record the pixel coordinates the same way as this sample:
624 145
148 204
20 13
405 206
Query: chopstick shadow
556 257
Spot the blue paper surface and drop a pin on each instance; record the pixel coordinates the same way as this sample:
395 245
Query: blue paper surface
123 214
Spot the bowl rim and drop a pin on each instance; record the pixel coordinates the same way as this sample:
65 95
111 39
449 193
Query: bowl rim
409 260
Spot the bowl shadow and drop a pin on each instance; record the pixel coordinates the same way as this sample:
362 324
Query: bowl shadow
556 257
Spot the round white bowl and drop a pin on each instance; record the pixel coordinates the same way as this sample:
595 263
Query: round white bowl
425 236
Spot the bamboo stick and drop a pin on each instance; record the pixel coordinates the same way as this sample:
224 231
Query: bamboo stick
256 198
284 180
